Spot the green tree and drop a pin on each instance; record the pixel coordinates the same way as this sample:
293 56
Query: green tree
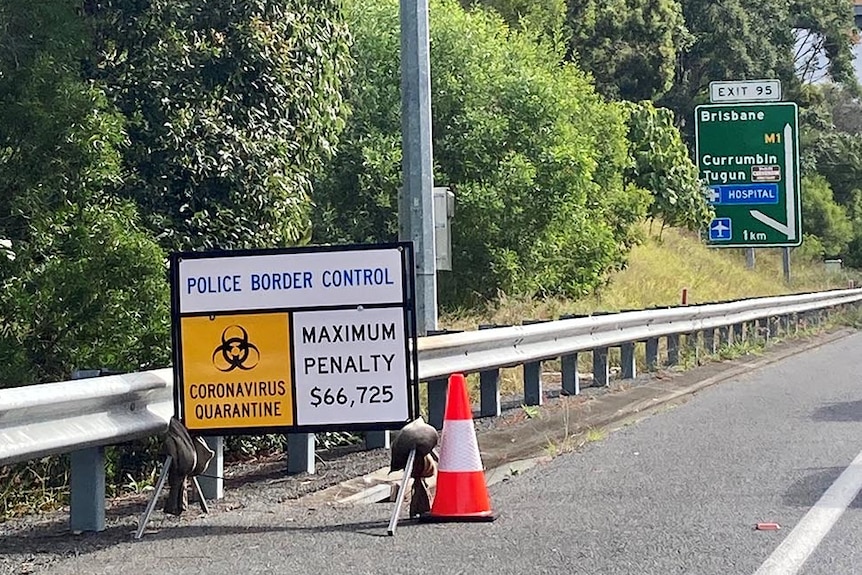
823 217
732 40
661 164
831 149
80 284
534 155
736 40
827 31
231 106
829 143
544 17
629 46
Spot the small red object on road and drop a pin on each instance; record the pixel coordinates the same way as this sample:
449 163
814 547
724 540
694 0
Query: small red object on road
767 526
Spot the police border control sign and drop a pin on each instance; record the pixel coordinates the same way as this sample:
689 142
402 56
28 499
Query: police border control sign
294 340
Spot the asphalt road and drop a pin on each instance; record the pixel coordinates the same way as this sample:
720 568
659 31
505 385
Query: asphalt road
679 491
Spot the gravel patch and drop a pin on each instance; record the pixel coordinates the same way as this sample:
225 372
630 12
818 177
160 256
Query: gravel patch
30 544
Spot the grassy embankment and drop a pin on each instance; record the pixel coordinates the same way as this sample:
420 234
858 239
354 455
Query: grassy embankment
657 273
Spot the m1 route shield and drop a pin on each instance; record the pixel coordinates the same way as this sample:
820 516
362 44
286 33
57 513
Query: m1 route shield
748 155
294 340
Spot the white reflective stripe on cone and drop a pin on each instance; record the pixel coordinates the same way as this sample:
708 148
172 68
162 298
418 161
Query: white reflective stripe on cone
459 450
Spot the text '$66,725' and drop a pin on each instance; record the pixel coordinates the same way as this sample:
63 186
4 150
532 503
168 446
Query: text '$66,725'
363 394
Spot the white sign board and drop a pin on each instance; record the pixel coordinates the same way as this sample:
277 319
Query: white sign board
294 340
745 91
290 280
350 366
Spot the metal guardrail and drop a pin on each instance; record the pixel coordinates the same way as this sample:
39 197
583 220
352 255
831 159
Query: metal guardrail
55 418
509 346
82 416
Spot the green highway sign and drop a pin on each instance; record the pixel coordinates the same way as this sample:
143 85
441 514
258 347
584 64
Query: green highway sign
748 155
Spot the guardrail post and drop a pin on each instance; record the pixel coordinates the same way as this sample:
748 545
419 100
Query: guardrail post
300 453
489 388
738 332
725 335
378 439
533 383
651 353
532 376
692 344
437 389
709 340
571 381
87 486
786 323
628 363
763 329
87 479
673 349
569 374
212 479
601 372
775 326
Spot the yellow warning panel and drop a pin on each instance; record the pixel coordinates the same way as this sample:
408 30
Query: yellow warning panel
236 371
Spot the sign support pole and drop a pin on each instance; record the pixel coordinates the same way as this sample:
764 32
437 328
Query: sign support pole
785 260
749 258
416 204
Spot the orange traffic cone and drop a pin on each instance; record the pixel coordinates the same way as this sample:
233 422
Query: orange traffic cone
461 493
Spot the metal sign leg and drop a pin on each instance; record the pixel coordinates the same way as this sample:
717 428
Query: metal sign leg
201 500
149 510
408 471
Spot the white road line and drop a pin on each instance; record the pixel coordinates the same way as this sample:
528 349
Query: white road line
806 536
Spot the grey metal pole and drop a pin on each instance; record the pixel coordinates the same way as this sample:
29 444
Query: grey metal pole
416 203
785 260
749 258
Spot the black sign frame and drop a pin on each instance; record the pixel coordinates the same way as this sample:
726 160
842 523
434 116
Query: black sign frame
408 307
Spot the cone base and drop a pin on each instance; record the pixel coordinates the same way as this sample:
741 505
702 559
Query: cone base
484 517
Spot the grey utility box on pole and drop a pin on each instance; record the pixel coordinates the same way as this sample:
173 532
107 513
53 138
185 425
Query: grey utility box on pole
444 210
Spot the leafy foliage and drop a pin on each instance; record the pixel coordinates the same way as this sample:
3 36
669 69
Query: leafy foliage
661 165
629 46
733 40
231 106
831 149
824 218
827 28
736 40
545 18
534 155
80 284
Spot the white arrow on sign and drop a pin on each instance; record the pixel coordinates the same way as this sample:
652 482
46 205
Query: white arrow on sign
788 229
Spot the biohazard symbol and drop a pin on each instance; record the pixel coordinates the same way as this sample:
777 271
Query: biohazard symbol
235 350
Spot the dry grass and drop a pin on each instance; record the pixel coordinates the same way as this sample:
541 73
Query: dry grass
657 273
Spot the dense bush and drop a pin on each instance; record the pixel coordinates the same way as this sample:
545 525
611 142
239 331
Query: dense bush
80 284
660 163
824 218
534 155
230 106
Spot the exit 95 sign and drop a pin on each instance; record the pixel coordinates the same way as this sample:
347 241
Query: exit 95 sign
306 339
